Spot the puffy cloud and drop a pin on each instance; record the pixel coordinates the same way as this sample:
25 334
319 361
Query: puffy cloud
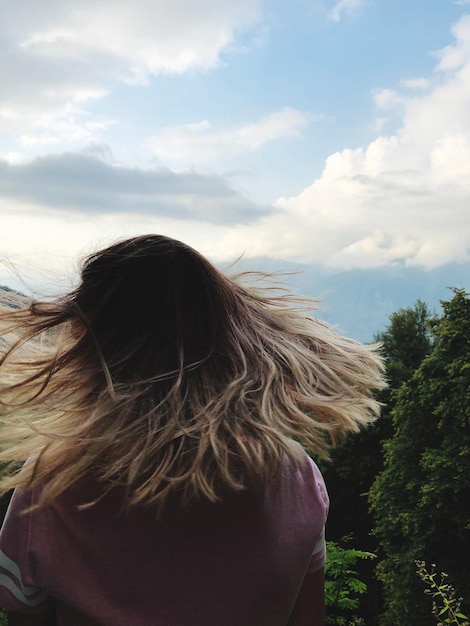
89 184
404 198
201 142
68 53
147 37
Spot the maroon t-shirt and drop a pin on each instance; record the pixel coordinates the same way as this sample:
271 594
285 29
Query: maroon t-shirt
238 563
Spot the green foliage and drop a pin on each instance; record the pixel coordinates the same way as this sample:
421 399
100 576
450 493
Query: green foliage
349 476
420 500
406 342
342 585
445 604
3 618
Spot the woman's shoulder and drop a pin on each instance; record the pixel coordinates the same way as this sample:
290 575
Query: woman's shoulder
300 481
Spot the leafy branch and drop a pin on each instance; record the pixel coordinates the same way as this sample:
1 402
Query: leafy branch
342 585
445 604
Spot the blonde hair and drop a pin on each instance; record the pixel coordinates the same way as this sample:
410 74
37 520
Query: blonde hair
161 375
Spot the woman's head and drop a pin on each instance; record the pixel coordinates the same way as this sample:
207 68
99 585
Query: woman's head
153 307
162 375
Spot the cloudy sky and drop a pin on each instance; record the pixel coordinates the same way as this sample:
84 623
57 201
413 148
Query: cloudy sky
321 131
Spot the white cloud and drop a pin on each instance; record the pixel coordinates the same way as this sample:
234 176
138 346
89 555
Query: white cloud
454 56
344 6
387 98
203 143
148 37
419 83
57 56
403 199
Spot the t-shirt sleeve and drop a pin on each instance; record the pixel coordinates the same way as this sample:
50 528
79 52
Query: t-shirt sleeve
318 558
19 588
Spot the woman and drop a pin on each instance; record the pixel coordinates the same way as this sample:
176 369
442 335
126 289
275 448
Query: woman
154 426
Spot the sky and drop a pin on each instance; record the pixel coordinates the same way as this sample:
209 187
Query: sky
330 132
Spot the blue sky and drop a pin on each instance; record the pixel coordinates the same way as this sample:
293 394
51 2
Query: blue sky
334 132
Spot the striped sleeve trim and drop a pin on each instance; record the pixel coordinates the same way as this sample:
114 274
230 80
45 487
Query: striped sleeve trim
317 558
320 545
10 579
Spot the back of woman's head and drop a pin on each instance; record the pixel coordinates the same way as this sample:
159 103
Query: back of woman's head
161 375
153 307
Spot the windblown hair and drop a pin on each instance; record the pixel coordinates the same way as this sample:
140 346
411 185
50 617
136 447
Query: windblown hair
160 375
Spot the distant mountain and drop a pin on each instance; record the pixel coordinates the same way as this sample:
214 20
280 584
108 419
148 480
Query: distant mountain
359 302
